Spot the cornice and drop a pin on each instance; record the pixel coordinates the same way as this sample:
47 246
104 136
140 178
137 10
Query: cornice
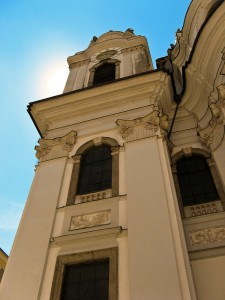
100 101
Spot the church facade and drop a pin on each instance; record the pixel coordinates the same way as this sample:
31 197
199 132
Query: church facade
128 198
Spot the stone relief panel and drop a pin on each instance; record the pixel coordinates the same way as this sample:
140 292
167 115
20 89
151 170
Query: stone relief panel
91 220
154 124
207 235
213 134
55 148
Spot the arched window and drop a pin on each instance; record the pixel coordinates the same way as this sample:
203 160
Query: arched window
195 181
104 73
96 170
95 173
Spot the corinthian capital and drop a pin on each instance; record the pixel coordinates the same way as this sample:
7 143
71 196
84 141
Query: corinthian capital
55 148
154 124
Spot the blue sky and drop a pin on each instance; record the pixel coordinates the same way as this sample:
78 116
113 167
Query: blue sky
36 38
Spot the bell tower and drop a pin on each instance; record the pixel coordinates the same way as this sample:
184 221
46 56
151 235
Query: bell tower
102 220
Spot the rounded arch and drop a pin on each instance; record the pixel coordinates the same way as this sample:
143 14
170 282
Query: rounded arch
185 160
189 151
73 197
97 142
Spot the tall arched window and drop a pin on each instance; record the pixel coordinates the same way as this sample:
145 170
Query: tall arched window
96 170
195 181
95 173
104 73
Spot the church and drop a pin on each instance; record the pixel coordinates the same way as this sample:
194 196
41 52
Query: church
128 198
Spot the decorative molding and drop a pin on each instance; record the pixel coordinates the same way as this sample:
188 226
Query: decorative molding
153 124
93 196
207 235
133 48
79 63
213 134
90 220
203 209
55 148
221 93
106 54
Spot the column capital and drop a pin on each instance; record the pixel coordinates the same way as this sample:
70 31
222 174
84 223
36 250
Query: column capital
55 148
153 124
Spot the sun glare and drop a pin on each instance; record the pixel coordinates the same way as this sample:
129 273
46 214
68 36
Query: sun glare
51 80
56 80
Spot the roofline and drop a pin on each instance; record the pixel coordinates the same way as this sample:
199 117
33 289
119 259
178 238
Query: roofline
4 252
82 90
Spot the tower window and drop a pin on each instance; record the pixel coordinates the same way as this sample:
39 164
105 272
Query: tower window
104 73
96 170
195 181
86 281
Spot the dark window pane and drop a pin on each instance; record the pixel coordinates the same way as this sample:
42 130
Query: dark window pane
195 181
86 281
96 170
104 73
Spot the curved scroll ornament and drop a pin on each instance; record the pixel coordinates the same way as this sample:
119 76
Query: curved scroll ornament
213 134
55 148
153 124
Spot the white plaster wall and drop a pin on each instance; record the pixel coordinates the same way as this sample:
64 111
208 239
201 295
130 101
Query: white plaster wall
26 264
152 263
70 80
209 278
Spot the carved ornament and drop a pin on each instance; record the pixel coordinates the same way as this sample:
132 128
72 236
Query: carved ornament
134 48
213 134
90 220
93 196
55 148
207 235
203 209
142 127
79 63
106 54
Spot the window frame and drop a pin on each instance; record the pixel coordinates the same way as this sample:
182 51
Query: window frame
187 152
111 254
77 166
93 69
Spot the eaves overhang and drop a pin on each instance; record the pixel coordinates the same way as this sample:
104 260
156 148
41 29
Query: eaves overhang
85 102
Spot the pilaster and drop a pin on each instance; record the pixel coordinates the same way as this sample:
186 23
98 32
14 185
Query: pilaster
158 260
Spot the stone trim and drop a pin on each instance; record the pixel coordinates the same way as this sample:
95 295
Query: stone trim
110 60
203 209
55 148
63 260
77 163
79 63
93 196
